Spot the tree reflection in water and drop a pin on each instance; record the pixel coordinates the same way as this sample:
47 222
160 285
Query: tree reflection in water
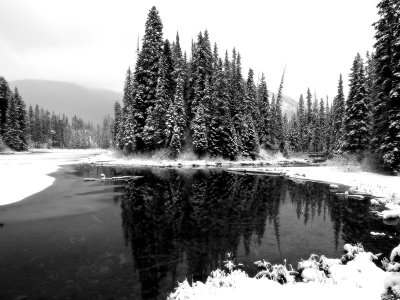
181 224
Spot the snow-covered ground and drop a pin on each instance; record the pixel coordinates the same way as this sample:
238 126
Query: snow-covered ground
114 159
372 183
360 278
24 174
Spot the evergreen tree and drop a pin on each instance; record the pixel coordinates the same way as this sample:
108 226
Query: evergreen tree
338 113
265 114
309 118
356 126
179 119
274 133
21 120
222 136
146 77
5 95
309 112
11 134
248 132
315 128
293 134
37 134
154 133
322 128
386 128
202 70
127 139
302 125
117 132
328 127
278 113
237 100
199 128
30 124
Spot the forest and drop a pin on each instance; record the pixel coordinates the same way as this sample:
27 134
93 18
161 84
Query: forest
202 102
22 128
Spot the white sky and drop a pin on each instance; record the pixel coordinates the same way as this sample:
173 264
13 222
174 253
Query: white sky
93 42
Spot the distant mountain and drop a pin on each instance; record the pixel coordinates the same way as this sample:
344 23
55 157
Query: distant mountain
289 105
90 104
68 98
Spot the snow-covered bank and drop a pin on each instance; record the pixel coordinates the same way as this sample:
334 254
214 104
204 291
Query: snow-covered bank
372 183
359 278
383 189
379 185
111 158
27 173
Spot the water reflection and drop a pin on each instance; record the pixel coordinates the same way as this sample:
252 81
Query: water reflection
180 224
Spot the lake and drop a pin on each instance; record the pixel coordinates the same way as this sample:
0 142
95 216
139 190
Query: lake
102 240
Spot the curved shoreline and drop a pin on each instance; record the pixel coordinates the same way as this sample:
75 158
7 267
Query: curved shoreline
25 174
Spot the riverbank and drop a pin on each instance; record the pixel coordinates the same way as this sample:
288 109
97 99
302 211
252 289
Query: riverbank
378 185
26 173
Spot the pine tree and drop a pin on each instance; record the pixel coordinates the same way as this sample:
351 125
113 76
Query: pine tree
5 95
249 137
202 67
154 131
12 133
386 129
199 128
30 124
21 120
278 113
321 123
302 125
177 57
237 100
37 134
356 126
328 127
309 111
127 140
222 136
117 131
179 119
293 134
315 128
146 76
338 113
265 114
274 133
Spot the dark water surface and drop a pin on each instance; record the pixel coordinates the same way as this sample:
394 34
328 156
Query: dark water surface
92 240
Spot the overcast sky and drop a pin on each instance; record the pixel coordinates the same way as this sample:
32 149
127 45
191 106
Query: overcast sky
93 42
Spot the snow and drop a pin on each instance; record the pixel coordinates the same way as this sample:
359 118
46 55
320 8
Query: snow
24 174
360 278
385 188
114 159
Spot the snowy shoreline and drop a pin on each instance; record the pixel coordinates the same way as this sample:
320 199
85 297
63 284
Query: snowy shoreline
23 174
382 190
378 185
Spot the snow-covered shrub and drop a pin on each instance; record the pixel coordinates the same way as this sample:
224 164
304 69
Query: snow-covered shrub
161 154
345 162
187 154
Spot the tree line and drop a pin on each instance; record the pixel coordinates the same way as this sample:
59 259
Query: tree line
201 102
204 103
36 127
369 120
